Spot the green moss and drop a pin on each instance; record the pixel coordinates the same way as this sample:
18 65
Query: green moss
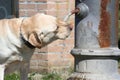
13 76
52 76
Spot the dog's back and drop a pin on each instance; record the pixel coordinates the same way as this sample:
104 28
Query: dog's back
11 53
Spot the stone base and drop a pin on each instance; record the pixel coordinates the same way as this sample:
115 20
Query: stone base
96 64
91 76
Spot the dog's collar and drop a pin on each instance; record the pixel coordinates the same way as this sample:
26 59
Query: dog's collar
27 43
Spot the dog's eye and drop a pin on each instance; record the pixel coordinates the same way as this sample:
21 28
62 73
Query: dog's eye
41 35
55 31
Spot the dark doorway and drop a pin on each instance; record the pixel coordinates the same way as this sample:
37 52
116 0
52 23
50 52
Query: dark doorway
9 9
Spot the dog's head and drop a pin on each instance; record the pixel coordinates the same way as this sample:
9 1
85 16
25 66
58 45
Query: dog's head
42 29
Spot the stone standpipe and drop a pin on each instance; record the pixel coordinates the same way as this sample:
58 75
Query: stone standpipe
96 50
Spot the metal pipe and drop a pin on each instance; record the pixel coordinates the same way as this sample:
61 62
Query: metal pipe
96 51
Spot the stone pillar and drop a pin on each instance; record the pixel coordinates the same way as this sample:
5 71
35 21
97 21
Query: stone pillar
96 50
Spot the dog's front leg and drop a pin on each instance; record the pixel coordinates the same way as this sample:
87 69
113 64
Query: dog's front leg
24 71
2 71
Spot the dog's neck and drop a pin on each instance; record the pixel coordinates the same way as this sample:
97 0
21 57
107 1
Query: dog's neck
26 42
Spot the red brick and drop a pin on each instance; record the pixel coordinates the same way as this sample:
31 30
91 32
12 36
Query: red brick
42 69
41 56
58 0
53 56
55 49
69 41
41 6
62 14
59 59
53 13
57 42
33 68
58 63
37 0
31 13
42 11
51 6
63 6
39 69
42 50
27 6
22 13
43 63
33 63
67 50
67 56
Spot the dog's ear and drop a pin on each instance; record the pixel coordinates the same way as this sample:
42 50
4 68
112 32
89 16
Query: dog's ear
34 40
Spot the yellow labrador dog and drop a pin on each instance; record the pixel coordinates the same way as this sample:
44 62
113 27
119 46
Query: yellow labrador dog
20 36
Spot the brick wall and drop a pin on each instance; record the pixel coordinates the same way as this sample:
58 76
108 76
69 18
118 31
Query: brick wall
56 56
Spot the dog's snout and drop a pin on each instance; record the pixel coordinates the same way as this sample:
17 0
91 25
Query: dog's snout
70 26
